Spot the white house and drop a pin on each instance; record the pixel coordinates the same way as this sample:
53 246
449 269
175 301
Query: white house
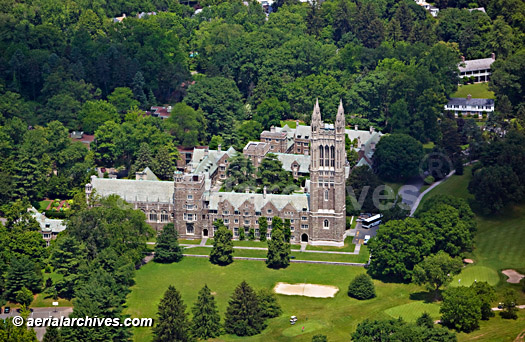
477 68
469 106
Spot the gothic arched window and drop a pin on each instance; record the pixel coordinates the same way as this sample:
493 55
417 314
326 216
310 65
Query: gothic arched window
326 195
153 215
332 156
326 156
326 224
321 156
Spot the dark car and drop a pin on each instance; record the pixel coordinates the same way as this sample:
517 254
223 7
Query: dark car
7 310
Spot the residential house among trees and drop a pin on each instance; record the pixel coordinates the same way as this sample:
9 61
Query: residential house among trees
469 106
479 69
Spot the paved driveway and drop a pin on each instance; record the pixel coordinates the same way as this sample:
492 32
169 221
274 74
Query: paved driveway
361 232
41 313
410 191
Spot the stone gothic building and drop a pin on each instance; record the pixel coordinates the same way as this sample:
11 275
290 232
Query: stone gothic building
192 201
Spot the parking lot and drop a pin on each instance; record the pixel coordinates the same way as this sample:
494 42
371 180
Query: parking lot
361 232
40 313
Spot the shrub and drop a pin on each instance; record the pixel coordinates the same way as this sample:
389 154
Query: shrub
429 180
362 287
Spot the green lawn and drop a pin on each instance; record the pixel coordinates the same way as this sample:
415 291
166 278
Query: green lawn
348 247
454 186
478 90
189 242
362 257
247 243
42 205
496 329
472 273
410 312
335 317
291 123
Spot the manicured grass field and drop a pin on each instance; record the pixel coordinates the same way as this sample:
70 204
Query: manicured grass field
189 242
348 247
247 243
454 186
496 329
362 257
473 273
335 317
478 91
291 123
42 205
412 311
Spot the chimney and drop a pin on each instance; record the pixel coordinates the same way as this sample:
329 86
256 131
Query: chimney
356 127
305 151
206 152
264 191
371 129
463 58
219 148
296 123
247 190
493 56
168 109
272 129
362 147
469 97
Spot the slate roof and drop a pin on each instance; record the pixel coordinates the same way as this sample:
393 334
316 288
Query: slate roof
236 199
46 224
476 64
202 163
463 101
134 190
288 159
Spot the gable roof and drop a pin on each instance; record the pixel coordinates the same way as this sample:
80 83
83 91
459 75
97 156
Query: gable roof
237 199
464 101
475 64
288 159
134 190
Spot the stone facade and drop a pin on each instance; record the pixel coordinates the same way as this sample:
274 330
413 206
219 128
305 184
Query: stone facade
192 201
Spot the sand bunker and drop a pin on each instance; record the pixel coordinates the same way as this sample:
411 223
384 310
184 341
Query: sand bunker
514 277
308 290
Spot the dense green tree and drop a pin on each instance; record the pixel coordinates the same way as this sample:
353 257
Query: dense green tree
425 320
271 111
22 273
494 187
243 314
461 309
278 248
360 187
165 162
172 323
398 157
436 270
398 247
222 251
220 100
271 175
268 304
319 338
94 113
263 228
240 174
186 125
398 330
205 323
510 300
24 296
362 287
487 295
144 159
52 335
11 333
287 230
122 99
167 249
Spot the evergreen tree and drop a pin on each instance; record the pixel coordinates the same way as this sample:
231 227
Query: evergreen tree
206 320
52 335
144 159
425 320
24 296
510 300
287 230
165 163
319 338
167 249
251 234
487 295
268 304
242 235
243 315
362 287
152 100
138 89
172 323
222 251
263 228
22 272
278 249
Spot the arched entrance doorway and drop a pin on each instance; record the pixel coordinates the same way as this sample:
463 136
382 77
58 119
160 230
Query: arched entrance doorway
205 232
304 238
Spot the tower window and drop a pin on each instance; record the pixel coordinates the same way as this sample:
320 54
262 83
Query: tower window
326 224
326 195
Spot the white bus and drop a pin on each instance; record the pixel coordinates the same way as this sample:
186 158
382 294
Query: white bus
372 221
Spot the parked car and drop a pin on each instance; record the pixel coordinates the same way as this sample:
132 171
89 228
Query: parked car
367 238
7 310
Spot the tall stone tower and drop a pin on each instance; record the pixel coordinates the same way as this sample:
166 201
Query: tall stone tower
327 178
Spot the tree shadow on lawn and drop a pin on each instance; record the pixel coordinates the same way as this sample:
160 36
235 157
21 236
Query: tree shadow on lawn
426 297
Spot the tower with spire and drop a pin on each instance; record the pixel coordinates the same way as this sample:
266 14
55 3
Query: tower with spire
327 219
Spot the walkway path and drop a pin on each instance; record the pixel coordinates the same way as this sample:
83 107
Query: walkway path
517 306
303 249
292 260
